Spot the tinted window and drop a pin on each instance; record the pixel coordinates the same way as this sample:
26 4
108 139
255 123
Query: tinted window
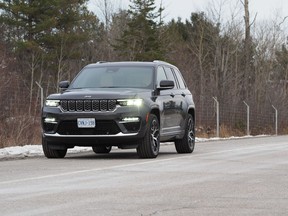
180 79
160 75
114 77
170 76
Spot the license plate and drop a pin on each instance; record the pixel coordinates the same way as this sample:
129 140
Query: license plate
86 123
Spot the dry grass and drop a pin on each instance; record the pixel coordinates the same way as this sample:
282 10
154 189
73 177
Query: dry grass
283 131
19 131
225 131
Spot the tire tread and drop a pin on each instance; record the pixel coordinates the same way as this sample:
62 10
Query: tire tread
52 153
144 148
182 145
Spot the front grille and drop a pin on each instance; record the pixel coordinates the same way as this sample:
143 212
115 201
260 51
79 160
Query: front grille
87 105
103 127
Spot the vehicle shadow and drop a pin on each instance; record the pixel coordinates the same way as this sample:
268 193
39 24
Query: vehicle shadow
114 155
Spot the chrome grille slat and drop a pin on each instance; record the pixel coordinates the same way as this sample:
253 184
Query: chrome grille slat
95 105
88 105
79 105
103 105
71 105
111 104
64 105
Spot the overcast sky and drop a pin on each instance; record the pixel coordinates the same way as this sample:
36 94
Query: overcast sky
265 9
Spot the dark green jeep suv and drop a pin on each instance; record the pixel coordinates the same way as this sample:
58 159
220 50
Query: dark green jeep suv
123 104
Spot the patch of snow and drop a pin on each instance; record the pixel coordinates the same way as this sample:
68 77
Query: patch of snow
21 150
32 150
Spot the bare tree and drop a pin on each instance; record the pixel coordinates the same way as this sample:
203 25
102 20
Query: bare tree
106 9
247 78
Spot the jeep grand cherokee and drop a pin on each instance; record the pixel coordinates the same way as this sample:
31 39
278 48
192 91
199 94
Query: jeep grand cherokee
123 104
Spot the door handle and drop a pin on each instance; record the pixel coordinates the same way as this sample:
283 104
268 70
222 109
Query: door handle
172 95
183 94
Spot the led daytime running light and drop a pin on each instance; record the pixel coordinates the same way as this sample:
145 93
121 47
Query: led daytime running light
52 103
131 102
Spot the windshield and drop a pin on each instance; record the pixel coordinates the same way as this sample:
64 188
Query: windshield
114 77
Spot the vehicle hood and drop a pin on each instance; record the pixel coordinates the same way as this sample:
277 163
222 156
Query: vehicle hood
100 93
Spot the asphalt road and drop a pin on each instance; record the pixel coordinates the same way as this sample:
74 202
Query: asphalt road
232 177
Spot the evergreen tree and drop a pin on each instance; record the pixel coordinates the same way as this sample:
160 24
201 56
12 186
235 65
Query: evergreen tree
141 40
51 31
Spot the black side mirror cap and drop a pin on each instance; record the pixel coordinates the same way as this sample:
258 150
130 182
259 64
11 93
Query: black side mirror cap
166 84
64 84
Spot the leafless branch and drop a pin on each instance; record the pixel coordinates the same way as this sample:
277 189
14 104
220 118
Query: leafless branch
283 20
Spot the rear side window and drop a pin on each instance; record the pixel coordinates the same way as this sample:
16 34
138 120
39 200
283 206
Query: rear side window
180 79
170 75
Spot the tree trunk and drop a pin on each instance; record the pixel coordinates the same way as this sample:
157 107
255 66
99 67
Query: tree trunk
247 52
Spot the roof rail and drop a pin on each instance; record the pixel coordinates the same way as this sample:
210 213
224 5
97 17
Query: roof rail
164 62
160 61
100 62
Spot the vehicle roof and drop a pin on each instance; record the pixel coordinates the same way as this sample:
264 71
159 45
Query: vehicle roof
130 63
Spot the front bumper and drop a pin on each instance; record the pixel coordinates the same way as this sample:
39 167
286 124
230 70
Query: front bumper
111 128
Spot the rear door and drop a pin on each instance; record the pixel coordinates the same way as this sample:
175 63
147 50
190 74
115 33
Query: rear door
178 97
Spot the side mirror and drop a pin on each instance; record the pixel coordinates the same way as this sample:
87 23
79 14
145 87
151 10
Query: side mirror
64 85
166 84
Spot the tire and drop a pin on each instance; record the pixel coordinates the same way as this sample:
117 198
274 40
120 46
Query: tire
187 143
52 153
149 146
102 149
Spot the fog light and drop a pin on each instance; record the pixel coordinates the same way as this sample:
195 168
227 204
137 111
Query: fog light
130 119
50 120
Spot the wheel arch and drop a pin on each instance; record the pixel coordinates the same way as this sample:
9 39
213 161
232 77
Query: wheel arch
156 112
191 111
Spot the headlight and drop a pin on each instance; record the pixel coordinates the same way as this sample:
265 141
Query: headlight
130 102
52 103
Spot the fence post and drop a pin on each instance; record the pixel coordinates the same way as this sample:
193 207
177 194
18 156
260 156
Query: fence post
248 118
276 120
41 92
218 122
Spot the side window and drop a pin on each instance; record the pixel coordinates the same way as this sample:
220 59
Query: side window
180 79
160 75
170 75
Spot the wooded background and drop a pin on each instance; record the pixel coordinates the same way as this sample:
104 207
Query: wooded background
238 60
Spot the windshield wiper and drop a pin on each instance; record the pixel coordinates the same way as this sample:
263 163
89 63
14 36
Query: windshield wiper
76 88
110 87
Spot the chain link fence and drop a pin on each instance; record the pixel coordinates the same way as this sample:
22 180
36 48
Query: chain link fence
20 116
240 119
20 120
